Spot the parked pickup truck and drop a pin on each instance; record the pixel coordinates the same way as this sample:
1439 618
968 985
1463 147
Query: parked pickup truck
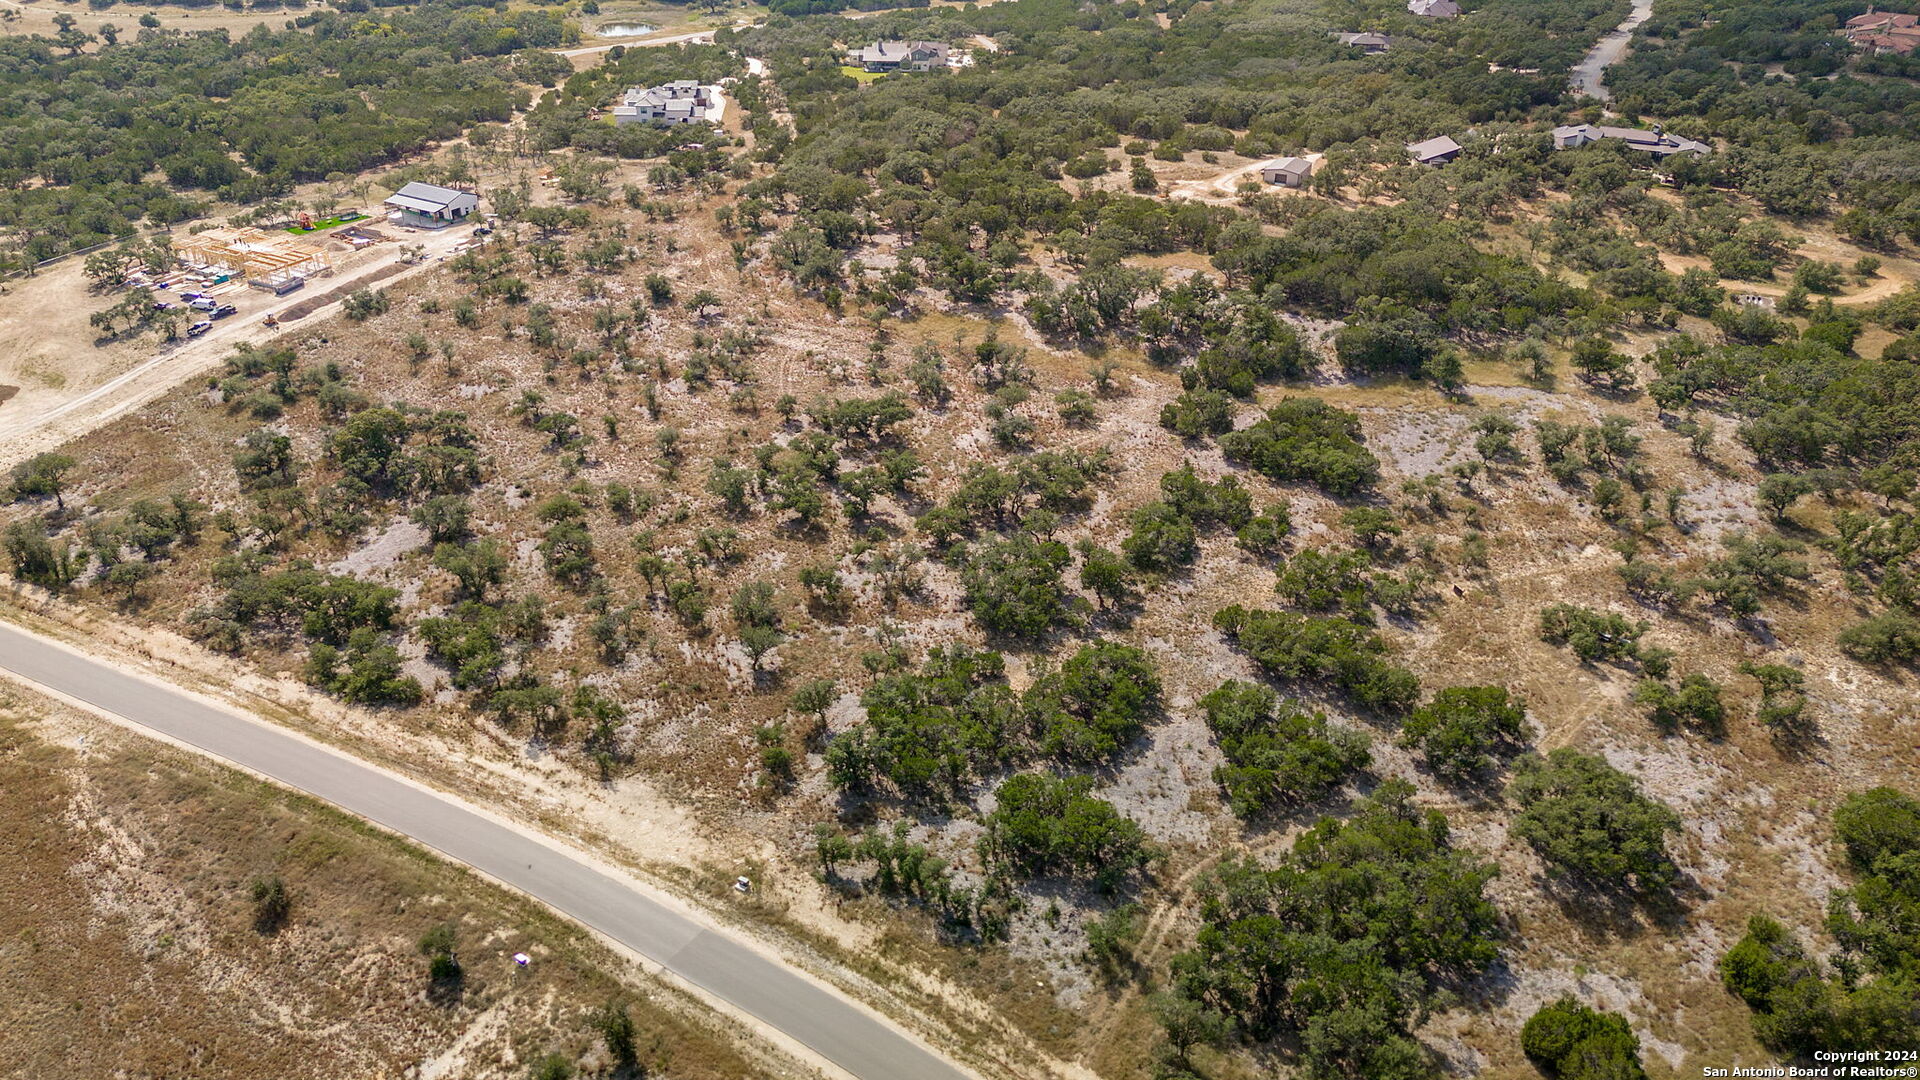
199 328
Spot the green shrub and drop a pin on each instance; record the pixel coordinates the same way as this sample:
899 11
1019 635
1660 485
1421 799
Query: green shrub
1876 823
1013 586
1104 574
41 476
1224 503
1783 701
1044 824
1094 704
1333 948
1318 580
1111 938
1694 703
1292 646
1306 439
1878 918
1570 1041
1162 539
1277 752
271 903
37 560
437 945
1198 412
1798 1009
1592 635
1793 1005
930 730
1583 815
1892 638
366 672
1263 533
1461 730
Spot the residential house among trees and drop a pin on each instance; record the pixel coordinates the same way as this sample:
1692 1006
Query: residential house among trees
1367 42
1883 32
683 101
1656 142
1290 172
430 206
884 56
1434 9
1435 151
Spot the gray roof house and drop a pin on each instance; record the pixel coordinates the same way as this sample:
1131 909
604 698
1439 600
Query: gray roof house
1370 43
1290 172
1656 142
683 101
430 206
1435 151
1434 9
883 56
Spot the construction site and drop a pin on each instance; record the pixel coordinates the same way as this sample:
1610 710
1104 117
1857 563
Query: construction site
275 263
56 366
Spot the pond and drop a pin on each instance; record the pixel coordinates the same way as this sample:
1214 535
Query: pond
624 29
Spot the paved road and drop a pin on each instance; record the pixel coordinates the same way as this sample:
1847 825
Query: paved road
811 1014
1590 74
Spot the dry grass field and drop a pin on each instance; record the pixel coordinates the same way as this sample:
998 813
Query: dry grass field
132 944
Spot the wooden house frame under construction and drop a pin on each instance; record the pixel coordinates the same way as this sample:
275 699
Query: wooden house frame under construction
262 259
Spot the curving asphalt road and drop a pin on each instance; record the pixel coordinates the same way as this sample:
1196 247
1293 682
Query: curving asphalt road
808 1012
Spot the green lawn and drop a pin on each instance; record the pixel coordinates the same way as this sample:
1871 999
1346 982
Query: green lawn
328 223
861 74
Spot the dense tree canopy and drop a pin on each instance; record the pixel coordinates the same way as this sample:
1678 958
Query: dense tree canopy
1585 816
243 119
1345 941
1275 751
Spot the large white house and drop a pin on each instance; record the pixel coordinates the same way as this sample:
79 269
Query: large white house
430 206
884 56
683 101
1656 142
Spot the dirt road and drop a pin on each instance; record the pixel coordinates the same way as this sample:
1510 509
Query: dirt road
1223 188
698 37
